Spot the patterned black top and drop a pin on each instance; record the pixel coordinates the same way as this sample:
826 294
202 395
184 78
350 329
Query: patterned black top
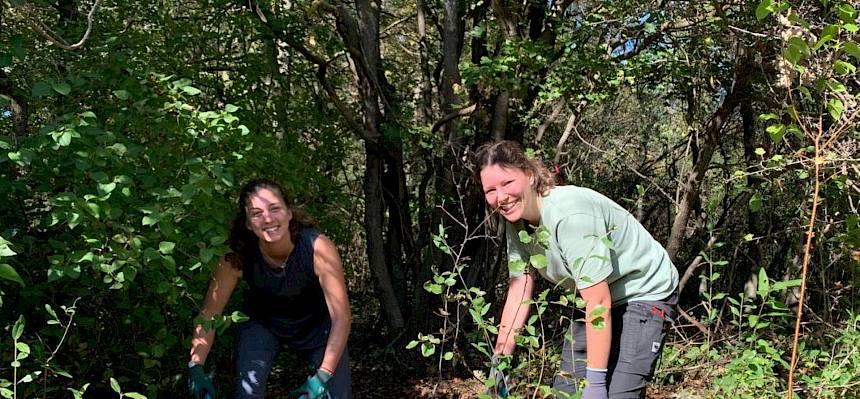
288 300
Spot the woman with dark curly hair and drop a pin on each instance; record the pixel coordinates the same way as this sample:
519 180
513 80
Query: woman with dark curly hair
296 296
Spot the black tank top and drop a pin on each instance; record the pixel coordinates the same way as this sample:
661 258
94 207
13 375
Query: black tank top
289 300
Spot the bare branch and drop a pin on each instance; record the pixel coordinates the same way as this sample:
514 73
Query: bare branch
54 38
454 115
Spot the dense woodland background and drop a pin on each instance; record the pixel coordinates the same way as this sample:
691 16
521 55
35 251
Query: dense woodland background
729 128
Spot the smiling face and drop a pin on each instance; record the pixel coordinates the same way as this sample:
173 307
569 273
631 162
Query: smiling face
510 191
268 216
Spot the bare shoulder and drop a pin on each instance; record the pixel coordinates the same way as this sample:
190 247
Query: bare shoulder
324 246
325 255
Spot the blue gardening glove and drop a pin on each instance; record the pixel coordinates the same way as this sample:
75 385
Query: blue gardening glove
199 384
315 387
596 387
500 380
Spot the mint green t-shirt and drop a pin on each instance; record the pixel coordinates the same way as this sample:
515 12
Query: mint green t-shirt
591 239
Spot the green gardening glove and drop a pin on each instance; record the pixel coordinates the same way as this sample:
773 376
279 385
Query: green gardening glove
315 387
498 379
199 384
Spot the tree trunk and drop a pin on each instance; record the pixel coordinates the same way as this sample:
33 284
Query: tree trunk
452 45
690 187
361 35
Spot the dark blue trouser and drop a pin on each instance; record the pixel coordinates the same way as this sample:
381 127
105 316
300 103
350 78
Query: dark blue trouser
258 348
638 333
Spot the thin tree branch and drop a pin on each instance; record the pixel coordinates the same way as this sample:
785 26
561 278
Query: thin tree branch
632 169
454 115
54 38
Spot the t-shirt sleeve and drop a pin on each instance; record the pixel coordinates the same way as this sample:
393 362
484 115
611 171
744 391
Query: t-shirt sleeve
517 254
585 246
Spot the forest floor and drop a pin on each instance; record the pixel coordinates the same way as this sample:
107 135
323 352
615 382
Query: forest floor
379 372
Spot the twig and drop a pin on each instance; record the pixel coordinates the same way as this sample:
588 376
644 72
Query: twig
694 265
52 37
693 321
747 32
806 252
453 115
632 169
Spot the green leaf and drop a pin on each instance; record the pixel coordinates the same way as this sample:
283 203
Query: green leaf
18 328
114 385
230 108
748 237
598 317
428 349
411 344
134 395
538 261
517 266
79 394
191 90
852 28
767 117
607 242
524 237
844 68
8 273
448 355
62 88
23 350
797 48
763 283
433 288
781 285
121 94
835 107
764 9
827 34
597 311
649 27
4 248
93 210
166 247
106 188
239 317
755 202
42 89
759 151
50 311
852 49
846 12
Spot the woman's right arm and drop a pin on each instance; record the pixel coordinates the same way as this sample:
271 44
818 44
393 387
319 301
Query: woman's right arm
224 280
514 313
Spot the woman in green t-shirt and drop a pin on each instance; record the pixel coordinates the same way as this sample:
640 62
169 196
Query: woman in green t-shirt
595 247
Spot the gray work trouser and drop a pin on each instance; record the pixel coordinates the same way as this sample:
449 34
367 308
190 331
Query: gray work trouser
638 333
256 355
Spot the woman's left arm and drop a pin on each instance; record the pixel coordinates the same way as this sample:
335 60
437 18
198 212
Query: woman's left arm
329 270
598 340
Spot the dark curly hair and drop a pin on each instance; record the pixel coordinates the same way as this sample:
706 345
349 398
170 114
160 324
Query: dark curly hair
242 241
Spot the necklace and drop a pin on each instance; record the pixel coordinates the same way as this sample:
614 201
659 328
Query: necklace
271 262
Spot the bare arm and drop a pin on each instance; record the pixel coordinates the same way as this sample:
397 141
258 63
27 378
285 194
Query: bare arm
514 313
329 270
224 280
598 340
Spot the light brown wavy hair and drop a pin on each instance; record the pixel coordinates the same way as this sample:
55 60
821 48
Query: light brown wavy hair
509 154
